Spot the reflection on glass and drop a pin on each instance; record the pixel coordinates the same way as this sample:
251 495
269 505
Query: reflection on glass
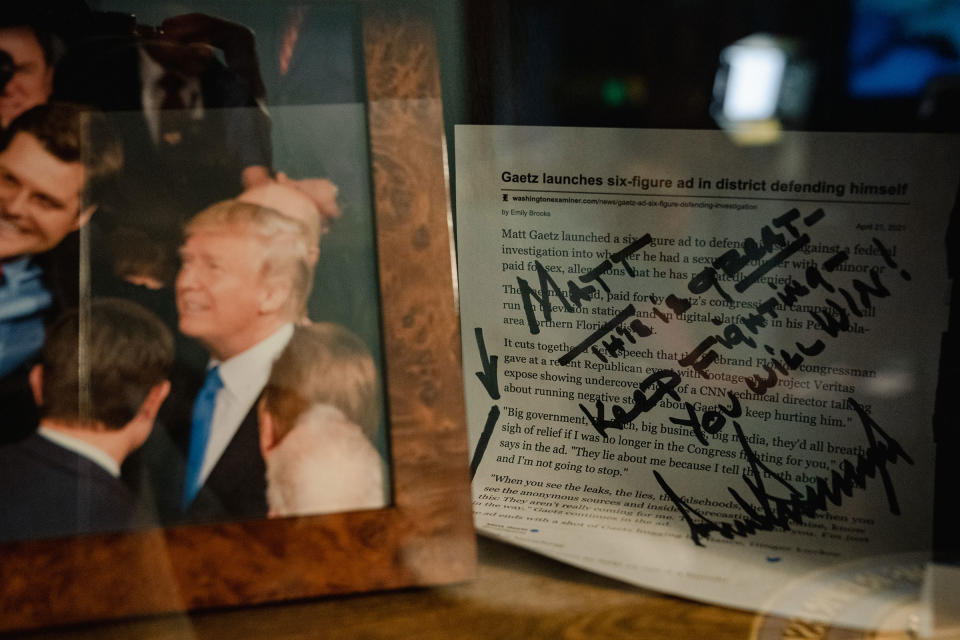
242 156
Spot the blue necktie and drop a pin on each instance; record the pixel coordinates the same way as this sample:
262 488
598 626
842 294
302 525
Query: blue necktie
200 433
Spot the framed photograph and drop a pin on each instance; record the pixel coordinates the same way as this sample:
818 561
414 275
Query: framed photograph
258 236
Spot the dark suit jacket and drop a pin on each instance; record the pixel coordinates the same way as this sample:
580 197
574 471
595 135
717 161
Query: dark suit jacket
236 487
162 186
47 491
60 265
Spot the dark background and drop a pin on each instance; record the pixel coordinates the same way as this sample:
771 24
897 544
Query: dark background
881 65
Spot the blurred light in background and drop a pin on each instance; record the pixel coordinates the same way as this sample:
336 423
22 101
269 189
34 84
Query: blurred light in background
755 73
624 91
762 86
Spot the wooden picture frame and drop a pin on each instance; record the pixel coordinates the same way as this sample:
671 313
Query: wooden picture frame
426 535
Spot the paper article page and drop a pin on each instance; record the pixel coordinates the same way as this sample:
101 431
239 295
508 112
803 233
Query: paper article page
705 368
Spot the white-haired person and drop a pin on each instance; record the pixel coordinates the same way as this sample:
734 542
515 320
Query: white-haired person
319 415
240 289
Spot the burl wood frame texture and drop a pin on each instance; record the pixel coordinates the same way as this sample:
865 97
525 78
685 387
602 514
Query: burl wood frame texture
426 537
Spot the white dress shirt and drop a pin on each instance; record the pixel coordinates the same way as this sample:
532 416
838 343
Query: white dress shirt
244 376
82 448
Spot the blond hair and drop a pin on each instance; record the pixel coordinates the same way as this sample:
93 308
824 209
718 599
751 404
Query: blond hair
323 363
284 240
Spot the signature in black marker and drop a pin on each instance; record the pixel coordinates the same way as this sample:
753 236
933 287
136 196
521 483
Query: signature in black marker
779 511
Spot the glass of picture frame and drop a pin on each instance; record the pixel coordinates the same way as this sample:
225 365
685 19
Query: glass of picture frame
354 98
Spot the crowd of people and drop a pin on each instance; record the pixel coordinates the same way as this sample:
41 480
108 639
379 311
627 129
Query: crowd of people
158 364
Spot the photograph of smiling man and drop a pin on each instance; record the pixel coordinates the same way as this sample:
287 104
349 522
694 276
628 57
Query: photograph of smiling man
54 162
229 271
360 436
241 286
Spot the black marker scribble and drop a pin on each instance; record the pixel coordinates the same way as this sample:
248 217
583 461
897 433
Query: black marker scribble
832 317
770 501
484 440
731 263
604 329
576 294
772 512
488 377
631 330
826 321
712 421
775 261
751 251
666 382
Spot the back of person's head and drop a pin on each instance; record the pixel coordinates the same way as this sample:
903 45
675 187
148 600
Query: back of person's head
283 242
323 364
100 362
73 134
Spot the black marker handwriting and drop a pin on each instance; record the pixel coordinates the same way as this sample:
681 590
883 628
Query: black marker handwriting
484 440
775 261
632 330
832 317
702 356
666 382
576 294
733 261
604 329
825 320
788 250
488 377
759 384
834 325
778 511
889 259
712 421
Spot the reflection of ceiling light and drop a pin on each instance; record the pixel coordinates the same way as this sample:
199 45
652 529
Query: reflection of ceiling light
760 87
753 83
